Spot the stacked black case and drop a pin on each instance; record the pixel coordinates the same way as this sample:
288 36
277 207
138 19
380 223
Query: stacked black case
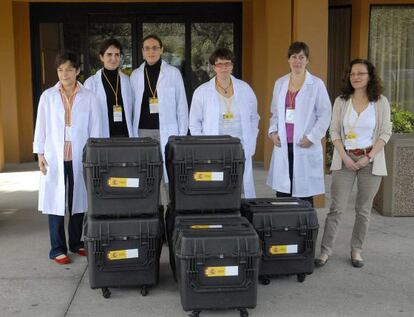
124 227
288 228
204 227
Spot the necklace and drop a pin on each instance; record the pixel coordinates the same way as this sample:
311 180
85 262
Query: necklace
224 89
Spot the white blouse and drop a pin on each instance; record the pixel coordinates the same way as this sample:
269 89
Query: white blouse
361 126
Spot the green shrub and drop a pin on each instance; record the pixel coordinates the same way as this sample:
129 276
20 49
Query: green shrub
402 120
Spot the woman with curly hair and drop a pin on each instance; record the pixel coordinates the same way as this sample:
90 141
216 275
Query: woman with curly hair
360 127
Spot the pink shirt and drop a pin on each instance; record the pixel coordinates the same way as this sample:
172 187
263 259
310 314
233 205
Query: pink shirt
290 98
68 103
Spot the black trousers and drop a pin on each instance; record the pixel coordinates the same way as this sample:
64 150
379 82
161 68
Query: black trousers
290 158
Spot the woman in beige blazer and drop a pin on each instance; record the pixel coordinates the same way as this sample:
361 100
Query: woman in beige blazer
360 127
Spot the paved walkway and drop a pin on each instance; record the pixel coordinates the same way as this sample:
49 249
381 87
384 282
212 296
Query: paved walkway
32 285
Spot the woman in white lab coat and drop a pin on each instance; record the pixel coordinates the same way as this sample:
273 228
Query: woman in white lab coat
301 113
226 105
67 116
113 91
160 102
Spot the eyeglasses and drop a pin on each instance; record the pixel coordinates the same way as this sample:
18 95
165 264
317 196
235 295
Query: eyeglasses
357 74
223 65
151 48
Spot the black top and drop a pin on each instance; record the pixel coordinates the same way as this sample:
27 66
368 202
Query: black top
116 129
149 120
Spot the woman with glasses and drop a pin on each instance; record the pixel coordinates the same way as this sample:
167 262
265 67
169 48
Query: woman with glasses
227 105
360 128
113 91
301 112
160 102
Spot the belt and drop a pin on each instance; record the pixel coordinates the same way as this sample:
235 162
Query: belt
359 152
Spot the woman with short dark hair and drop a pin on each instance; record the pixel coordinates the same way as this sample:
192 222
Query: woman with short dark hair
227 105
301 112
113 91
67 116
360 128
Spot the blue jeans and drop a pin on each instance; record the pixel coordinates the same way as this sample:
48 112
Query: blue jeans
57 223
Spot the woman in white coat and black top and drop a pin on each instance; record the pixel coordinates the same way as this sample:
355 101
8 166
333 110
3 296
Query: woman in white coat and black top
160 102
226 105
301 113
67 116
113 92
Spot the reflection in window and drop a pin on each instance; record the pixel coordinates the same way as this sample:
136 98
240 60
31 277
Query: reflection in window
391 50
99 32
205 38
172 36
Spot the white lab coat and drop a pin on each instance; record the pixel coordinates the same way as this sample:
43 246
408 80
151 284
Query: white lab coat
173 107
95 84
205 117
311 119
49 140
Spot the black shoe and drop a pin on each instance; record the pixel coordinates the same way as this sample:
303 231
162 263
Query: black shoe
320 262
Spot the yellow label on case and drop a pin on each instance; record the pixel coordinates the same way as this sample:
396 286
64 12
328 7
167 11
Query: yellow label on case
283 249
123 182
206 226
208 176
122 254
220 271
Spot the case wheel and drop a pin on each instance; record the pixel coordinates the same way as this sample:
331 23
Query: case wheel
264 280
106 293
144 290
194 313
243 312
301 278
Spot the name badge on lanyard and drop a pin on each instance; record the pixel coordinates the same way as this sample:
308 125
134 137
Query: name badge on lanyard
68 133
117 113
290 115
350 140
153 104
228 116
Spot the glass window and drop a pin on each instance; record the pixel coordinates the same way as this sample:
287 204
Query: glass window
172 36
99 32
205 38
391 50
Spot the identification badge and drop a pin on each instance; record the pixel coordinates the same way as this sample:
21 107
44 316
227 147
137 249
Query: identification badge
290 115
68 133
350 140
154 106
228 116
117 113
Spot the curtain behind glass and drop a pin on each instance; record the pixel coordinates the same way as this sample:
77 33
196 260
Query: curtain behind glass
391 50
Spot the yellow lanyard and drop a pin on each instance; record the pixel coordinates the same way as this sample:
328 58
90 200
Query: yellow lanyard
351 128
149 84
228 102
69 105
117 86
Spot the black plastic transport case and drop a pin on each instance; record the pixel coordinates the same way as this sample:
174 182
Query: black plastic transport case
173 219
204 172
217 264
122 176
288 228
123 252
